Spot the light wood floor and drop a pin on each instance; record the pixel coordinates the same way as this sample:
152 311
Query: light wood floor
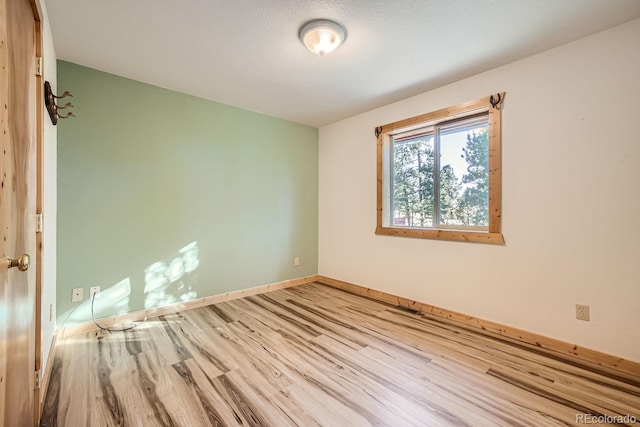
313 355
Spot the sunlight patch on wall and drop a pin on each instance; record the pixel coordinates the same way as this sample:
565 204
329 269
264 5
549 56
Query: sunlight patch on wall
171 281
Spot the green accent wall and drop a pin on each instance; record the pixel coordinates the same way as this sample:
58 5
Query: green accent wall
165 197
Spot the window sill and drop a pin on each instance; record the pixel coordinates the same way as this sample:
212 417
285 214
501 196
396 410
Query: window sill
437 234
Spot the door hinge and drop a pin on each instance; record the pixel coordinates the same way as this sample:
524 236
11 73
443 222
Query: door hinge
38 66
39 223
37 378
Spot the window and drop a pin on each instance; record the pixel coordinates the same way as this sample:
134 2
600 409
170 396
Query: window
439 174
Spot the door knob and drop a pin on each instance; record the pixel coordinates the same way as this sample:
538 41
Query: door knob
22 263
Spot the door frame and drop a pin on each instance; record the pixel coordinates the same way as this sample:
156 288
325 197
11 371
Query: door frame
39 132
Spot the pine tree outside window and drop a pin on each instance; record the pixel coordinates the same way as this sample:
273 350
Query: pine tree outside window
439 174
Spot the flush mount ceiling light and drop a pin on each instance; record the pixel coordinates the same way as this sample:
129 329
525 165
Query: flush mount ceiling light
322 36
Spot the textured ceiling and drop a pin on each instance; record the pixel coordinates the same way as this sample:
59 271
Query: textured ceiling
247 53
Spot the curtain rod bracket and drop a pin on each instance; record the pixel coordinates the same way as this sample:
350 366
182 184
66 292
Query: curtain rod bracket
496 102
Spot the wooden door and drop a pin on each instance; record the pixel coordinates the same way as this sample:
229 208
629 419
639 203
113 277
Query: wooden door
18 192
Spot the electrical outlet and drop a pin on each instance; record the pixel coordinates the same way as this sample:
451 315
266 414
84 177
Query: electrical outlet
94 290
582 312
296 261
77 295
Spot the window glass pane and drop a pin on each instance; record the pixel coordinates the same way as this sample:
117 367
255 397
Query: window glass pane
464 175
412 186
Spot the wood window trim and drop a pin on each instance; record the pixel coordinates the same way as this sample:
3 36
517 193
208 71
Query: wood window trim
493 105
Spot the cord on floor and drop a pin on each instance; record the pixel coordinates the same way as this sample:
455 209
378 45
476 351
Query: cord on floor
93 298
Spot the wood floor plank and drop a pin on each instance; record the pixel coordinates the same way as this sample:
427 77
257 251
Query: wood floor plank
314 355
336 379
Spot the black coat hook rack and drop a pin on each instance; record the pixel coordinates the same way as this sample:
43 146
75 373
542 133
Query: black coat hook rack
52 107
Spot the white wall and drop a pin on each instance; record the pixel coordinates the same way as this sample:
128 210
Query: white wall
571 200
50 198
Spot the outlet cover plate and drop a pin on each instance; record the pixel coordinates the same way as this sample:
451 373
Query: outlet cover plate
582 312
77 294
